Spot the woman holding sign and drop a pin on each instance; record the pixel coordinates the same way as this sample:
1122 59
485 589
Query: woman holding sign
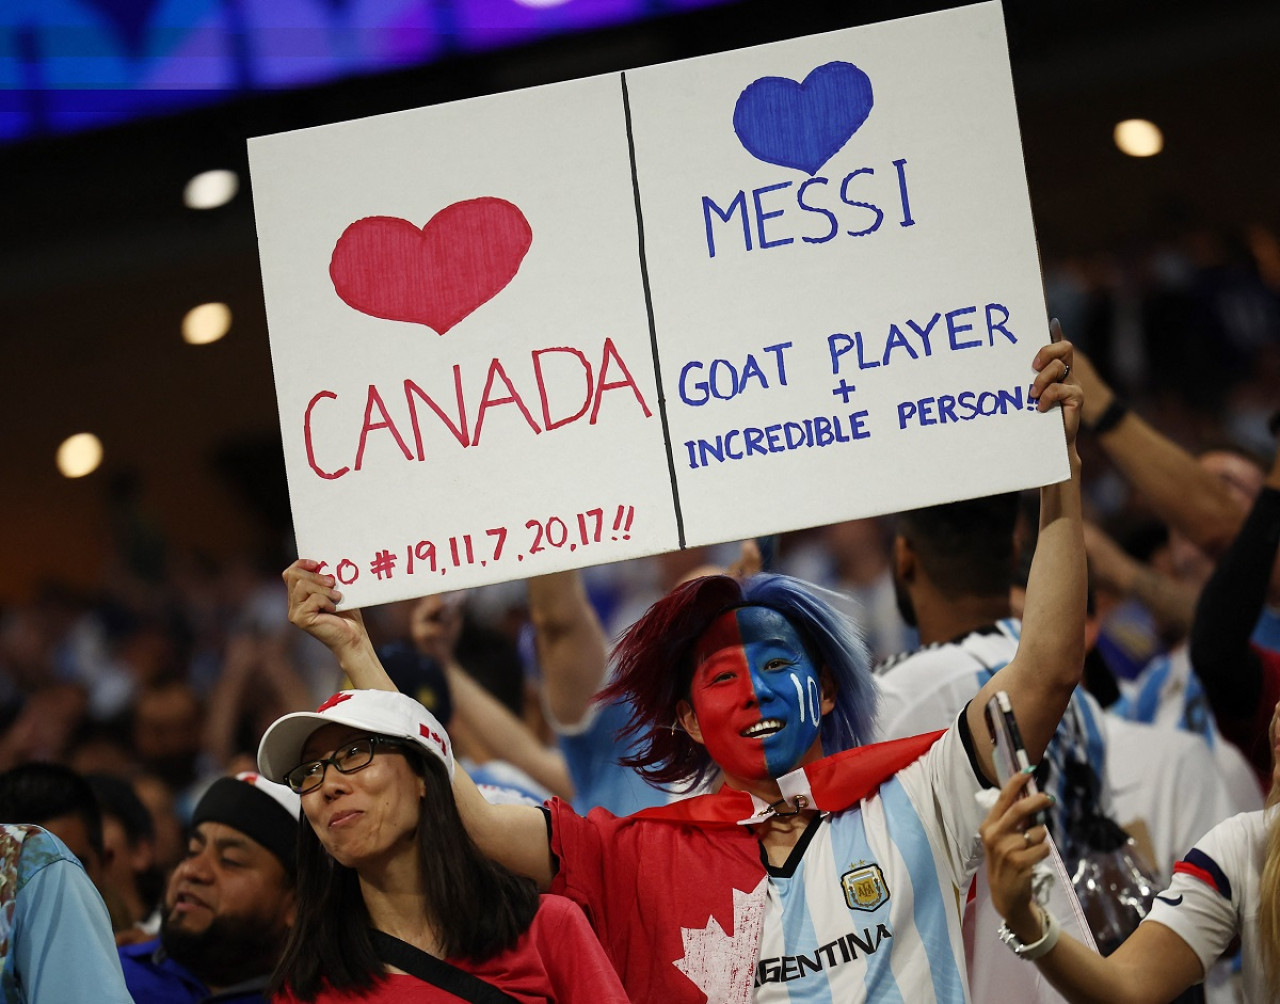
820 862
395 903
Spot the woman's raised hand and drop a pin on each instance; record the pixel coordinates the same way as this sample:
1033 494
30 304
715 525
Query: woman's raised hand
313 606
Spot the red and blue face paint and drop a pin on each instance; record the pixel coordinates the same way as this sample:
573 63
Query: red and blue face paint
757 694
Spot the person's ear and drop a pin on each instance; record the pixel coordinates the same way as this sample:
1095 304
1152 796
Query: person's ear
904 559
688 720
828 691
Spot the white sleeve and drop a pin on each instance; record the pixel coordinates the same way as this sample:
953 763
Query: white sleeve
1202 905
925 692
942 786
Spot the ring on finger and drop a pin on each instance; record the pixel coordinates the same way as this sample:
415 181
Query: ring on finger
1026 837
1066 371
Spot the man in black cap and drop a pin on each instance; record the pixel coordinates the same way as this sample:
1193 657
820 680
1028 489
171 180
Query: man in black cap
229 904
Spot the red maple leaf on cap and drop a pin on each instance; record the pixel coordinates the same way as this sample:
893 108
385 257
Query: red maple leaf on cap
336 699
434 737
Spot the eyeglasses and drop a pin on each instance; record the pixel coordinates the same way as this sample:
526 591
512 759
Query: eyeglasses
354 756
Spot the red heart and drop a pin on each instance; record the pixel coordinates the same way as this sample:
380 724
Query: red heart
463 257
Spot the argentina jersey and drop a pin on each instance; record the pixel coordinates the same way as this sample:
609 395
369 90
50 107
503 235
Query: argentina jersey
866 906
926 689
1168 692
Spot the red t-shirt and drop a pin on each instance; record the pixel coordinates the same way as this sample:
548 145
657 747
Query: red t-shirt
557 960
645 883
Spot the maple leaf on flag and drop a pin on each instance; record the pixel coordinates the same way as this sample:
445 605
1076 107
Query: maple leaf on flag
715 961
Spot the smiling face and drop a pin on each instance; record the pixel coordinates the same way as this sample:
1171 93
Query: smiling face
757 698
367 817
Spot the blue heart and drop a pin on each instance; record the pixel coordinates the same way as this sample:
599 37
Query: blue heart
803 125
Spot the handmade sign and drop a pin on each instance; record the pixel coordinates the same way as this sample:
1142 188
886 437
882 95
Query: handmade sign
696 302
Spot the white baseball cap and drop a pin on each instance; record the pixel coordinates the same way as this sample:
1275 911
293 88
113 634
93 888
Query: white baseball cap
382 712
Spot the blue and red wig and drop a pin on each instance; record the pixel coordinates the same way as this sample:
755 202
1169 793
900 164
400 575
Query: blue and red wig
653 665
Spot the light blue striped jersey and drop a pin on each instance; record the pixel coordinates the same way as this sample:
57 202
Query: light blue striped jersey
868 906
1168 692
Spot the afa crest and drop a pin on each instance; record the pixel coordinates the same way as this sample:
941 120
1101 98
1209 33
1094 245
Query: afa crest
864 887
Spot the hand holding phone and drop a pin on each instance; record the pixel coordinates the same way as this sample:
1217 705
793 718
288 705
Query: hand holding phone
1010 755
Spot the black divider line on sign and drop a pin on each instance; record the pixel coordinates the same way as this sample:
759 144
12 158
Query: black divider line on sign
648 304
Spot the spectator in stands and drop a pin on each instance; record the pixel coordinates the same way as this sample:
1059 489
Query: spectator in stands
572 652
129 840
1241 678
389 879
229 904
168 732
953 568
499 746
1204 501
954 565
55 935
61 801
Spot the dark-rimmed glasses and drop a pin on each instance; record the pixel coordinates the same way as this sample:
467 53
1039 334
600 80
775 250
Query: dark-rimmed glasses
349 758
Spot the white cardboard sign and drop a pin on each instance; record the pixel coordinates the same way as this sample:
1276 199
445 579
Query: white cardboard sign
695 302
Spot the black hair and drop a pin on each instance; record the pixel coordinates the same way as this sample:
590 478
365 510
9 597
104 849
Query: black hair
117 799
478 907
39 792
967 547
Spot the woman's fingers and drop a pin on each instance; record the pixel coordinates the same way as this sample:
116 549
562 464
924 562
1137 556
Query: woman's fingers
1013 812
1010 792
309 591
1014 843
1052 365
1054 383
1025 849
1021 812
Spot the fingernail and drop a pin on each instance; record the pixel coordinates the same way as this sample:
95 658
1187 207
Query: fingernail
1053 799
1029 769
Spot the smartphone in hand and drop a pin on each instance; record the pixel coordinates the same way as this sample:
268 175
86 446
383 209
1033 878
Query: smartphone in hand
1010 755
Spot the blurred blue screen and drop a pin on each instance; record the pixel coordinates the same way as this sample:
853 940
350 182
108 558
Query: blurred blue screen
67 65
